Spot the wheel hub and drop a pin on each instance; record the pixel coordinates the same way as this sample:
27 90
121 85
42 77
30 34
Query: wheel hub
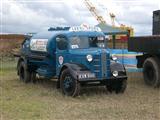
68 83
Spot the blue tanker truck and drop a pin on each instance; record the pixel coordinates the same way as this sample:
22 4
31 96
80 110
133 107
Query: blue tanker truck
75 56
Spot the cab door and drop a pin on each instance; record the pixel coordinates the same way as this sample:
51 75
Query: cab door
61 52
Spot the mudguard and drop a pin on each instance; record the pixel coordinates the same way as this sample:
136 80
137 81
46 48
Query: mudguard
74 69
118 67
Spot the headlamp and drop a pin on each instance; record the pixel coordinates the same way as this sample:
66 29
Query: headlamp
114 57
89 58
115 73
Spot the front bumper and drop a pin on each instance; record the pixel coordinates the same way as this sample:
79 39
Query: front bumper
87 76
103 79
118 78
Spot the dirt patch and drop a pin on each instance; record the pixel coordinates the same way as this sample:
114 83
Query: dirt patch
10 43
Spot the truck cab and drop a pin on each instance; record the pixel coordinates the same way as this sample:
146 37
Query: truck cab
76 56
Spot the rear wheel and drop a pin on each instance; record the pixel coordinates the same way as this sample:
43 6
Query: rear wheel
119 86
151 72
24 74
69 85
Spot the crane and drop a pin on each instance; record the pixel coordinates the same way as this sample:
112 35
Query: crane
94 12
101 19
112 15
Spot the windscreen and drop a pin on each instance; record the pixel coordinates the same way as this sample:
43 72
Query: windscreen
81 42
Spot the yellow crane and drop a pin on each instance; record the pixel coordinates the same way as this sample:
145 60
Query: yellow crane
100 19
112 19
94 12
122 26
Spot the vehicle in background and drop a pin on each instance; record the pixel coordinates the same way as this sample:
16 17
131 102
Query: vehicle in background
150 47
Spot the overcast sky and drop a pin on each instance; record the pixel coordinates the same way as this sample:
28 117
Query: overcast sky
24 16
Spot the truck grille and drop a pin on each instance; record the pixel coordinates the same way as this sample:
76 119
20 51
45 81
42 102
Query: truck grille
101 65
104 64
96 65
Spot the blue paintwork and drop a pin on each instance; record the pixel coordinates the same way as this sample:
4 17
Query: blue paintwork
79 56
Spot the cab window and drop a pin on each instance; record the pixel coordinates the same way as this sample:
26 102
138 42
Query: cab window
97 42
61 42
82 42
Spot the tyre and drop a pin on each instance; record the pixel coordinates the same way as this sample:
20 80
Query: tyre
118 86
33 77
69 85
122 86
151 72
24 74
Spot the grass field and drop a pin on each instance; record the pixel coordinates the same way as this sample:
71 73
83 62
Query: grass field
42 101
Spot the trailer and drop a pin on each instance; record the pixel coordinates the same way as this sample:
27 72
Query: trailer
150 47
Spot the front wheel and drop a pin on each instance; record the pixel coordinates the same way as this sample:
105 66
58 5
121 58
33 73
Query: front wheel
69 85
119 86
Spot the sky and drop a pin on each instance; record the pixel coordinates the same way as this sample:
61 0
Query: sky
27 16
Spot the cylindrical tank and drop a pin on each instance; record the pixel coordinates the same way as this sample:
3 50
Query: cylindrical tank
43 42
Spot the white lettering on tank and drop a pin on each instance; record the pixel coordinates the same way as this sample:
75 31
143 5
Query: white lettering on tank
39 45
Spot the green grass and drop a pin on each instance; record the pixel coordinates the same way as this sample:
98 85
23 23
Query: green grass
42 101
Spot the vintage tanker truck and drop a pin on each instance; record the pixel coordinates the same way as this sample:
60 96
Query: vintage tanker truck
76 56
150 47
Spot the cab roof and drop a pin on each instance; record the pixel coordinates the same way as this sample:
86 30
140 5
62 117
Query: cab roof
52 33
